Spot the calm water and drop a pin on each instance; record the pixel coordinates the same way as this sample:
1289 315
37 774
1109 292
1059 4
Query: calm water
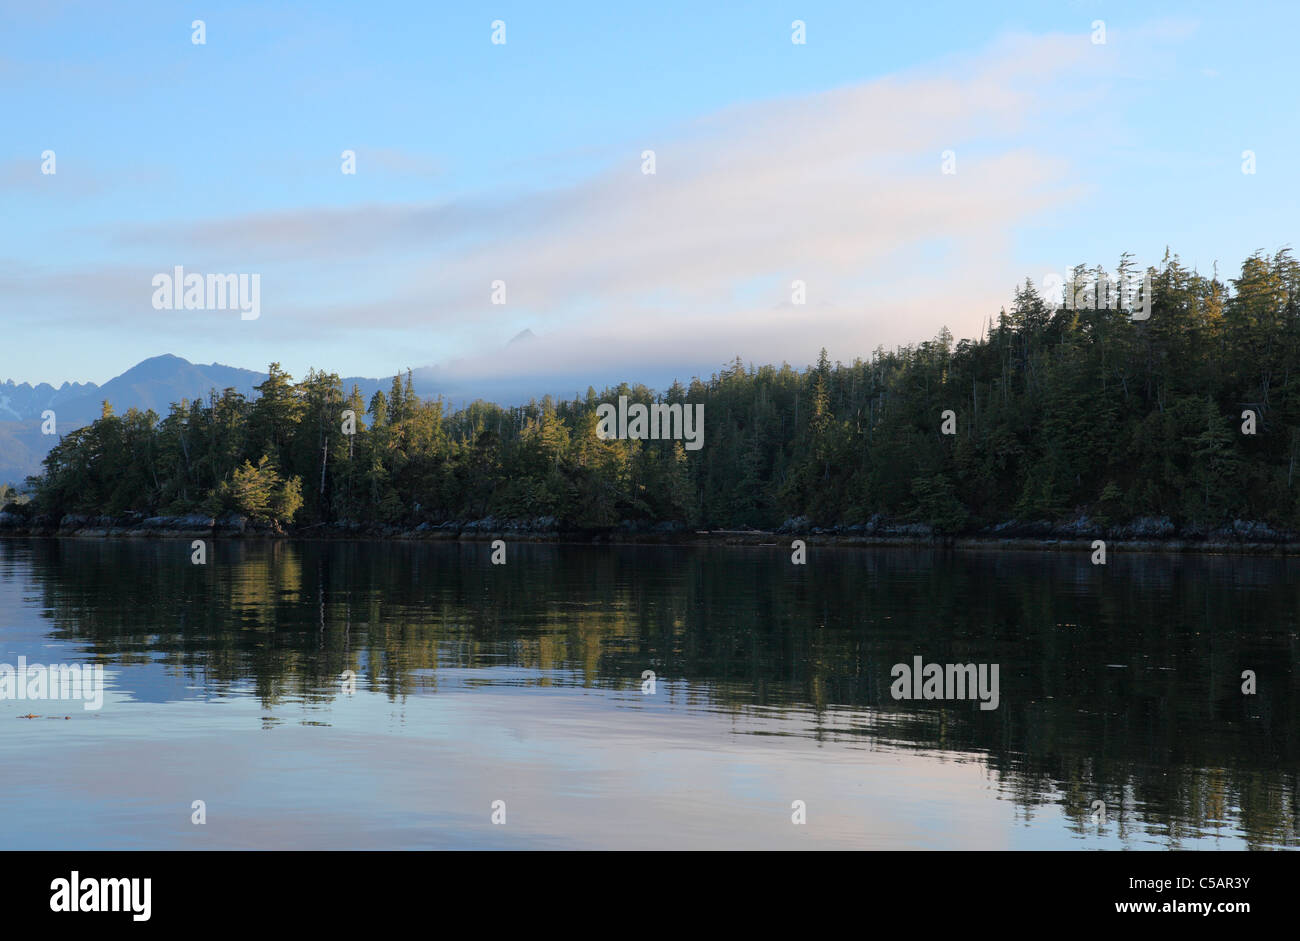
522 683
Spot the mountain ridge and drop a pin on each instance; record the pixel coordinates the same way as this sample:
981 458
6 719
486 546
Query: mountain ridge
153 383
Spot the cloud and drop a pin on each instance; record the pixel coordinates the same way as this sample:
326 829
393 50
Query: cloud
842 190
72 181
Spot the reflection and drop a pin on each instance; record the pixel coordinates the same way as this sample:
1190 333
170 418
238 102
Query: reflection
1120 683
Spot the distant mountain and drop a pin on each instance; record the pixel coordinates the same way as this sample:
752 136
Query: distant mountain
152 384
155 384
22 448
25 401
159 381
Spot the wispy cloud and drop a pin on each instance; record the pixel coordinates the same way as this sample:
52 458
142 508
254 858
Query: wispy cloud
842 190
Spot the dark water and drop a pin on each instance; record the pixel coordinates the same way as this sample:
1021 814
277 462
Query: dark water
522 683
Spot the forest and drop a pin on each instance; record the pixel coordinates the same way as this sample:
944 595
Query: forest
1061 412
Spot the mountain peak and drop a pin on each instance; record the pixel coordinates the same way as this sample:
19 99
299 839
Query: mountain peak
163 359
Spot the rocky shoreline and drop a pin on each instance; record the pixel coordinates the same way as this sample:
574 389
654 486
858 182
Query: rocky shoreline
1149 534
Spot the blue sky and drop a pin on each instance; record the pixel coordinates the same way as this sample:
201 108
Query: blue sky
522 162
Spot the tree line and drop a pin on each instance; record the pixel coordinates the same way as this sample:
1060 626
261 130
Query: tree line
1060 411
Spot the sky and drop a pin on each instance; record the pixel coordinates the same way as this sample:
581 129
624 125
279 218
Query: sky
522 162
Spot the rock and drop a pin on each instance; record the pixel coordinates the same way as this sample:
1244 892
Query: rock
231 523
1147 527
1078 527
1247 531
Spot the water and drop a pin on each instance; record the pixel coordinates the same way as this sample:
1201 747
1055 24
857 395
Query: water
522 683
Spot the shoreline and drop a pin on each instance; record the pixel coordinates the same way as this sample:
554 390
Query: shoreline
1006 536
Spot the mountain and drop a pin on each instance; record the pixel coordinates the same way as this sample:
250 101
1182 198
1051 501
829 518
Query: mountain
22 402
157 382
154 384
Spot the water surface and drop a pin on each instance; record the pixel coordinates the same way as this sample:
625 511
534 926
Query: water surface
522 683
